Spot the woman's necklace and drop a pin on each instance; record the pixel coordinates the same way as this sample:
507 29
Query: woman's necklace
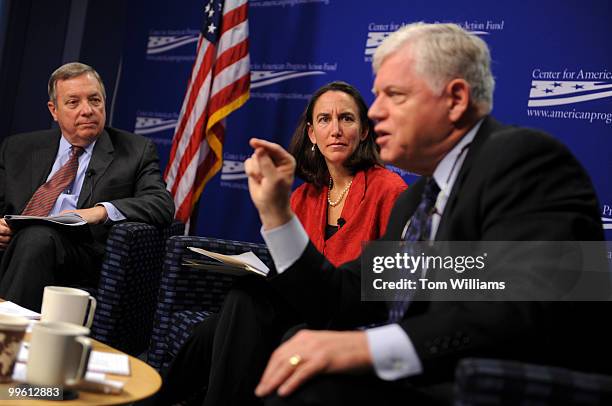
329 200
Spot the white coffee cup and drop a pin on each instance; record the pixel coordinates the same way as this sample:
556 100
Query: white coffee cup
58 355
67 304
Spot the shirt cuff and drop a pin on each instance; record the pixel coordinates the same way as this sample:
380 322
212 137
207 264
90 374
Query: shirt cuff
393 353
286 243
112 212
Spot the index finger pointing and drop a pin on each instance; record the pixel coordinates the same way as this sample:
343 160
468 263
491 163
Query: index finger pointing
275 151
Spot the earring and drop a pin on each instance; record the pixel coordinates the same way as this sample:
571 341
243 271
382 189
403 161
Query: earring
313 147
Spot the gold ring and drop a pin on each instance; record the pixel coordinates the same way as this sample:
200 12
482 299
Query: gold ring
295 360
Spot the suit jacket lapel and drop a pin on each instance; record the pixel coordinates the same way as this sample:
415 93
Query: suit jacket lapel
42 161
404 208
489 125
101 158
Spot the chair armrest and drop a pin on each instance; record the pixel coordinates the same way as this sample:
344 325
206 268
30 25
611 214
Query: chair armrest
494 382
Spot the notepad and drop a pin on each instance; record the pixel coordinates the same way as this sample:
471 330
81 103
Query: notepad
99 361
109 363
20 373
93 381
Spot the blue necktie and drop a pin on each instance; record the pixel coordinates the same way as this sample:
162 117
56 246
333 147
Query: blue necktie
419 229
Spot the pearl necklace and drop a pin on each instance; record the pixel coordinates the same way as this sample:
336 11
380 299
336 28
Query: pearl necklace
337 202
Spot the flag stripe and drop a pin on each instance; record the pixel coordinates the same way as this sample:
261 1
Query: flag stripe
192 147
234 55
233 4
233 17
205 55
196 110
186 188
233 96
224 79
236 35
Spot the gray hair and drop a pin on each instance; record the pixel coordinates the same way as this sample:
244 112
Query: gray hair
444 52
69 71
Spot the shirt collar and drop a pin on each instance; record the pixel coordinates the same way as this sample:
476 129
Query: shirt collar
447 170
64 146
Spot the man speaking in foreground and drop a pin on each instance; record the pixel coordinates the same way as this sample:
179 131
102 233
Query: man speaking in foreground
481 181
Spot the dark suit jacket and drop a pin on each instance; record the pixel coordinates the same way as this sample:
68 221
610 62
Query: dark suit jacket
123 170
515 184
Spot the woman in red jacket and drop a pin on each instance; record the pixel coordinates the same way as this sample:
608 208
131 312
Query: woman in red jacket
348 194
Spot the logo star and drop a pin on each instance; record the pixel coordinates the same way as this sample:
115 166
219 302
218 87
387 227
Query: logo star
578 86
548 90
211 28
211 12
534 86
557 84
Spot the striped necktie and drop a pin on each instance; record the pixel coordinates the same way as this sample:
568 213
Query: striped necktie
419 229
45 196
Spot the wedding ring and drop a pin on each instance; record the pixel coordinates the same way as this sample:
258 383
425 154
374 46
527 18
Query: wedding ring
295 360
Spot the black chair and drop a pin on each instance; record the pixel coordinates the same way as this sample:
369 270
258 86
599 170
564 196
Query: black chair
129 282
488 382
187 295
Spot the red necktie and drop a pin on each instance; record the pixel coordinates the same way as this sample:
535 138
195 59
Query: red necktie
45 196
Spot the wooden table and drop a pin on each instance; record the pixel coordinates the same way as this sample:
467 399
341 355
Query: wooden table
143 382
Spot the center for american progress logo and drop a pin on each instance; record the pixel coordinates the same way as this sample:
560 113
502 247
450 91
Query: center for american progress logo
606 216
378 31
569 88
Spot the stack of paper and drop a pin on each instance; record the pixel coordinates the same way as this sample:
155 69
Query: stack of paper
241 264
99 361
13 309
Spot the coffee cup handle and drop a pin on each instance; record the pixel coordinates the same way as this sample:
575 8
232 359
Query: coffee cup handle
80 373
92 311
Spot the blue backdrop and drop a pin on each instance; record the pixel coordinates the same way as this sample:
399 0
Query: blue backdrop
552 62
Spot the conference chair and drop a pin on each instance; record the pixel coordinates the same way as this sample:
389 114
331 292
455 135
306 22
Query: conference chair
187 295
488 382
129 281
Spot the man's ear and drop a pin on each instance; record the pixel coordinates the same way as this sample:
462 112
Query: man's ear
459 95
52 110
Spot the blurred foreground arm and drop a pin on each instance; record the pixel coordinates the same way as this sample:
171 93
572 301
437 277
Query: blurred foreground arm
270 171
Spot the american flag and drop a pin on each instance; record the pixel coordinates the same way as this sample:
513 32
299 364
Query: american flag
219 84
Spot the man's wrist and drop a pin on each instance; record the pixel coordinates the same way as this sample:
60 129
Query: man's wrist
275 218
103 216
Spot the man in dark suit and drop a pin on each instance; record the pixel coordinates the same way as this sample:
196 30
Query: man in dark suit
481 181
115 177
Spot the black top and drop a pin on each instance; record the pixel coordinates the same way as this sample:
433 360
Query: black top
329 231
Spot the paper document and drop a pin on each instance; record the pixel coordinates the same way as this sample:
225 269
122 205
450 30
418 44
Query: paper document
247 261
109 363
13 309
99 361
19 373
68 223
68 219
93 381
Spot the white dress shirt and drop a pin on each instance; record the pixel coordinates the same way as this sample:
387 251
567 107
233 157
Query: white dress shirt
67 200
392 350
